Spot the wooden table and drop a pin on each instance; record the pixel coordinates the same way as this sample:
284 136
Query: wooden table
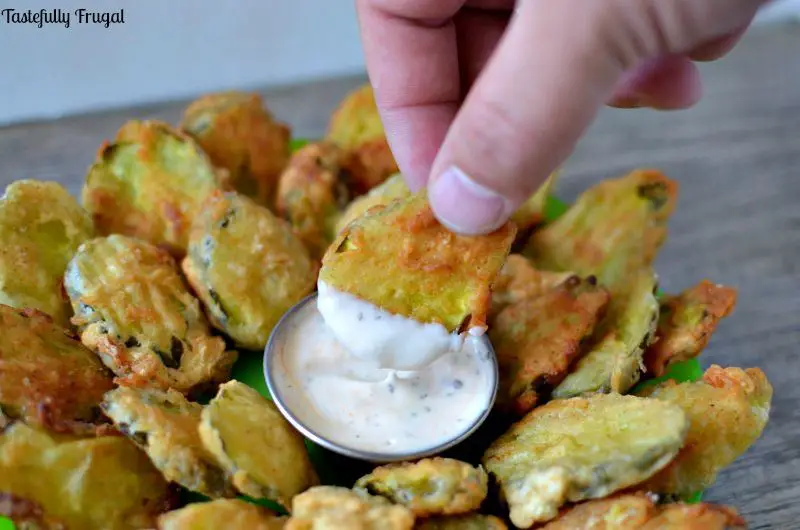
737 157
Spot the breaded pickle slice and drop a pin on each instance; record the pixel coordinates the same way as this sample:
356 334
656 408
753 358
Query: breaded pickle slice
582 448
47 377
696 517
264 455
686 323
240 134
433 486
135 311
165 425
612 231
531 213
314 189
473 521
613 360
247 267
519 280
727 412
331 508
537 338
392 188
41 227
401 259
103 482
150 184
356 127
231 514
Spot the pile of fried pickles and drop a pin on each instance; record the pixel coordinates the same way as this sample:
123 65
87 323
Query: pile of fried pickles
122 316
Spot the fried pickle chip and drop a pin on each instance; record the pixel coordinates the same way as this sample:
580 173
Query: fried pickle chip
264 455
695 517
103 482
47 377
531 213
612 231
401 259
335 508
135 311
314 189
241 135
519 280
150 184
727 412
433 486
165 425
231 514
686 323
582 448
537 338
392 188
613 362
356 127
247 267
473 521
41 227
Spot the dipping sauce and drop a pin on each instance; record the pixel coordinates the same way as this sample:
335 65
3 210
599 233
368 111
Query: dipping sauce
358 404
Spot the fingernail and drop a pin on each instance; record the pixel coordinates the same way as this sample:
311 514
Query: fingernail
630 101
464 206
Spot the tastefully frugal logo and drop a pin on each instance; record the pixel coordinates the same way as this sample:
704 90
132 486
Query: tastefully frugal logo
61 17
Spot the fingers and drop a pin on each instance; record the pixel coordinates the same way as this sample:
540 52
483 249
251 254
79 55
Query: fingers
546 80
667 83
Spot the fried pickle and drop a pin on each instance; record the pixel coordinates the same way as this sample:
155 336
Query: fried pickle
696 517
519 280
94 483
392 188
247 267
582 448
727 412
313 191
433 486
613 361
473 521
241 135
537 338
47 377
135 311
264 455
356 127
612 231
165 425
686 323
41 227
150 184
335 508
231 514
531 213
401 259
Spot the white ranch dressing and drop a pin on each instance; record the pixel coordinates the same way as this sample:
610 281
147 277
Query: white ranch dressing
355 402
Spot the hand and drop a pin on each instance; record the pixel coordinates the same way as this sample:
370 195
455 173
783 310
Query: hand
482 99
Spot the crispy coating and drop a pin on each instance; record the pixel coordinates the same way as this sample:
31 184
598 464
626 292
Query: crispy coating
400 258
727 411
247 267
519 280
686 323
473 521
531 213
92 483
264 455
41 227
356 127
135 311
314 189
150 184
392 188
231 514
240 134
433 486
612 231
165 425
613 361
696 517
582 448
335 508
47 377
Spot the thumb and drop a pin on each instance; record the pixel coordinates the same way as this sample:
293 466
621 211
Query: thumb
556 65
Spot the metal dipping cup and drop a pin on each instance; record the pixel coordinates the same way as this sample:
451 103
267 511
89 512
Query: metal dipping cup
271 357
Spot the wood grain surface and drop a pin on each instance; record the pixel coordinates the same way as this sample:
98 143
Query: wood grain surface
737 158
